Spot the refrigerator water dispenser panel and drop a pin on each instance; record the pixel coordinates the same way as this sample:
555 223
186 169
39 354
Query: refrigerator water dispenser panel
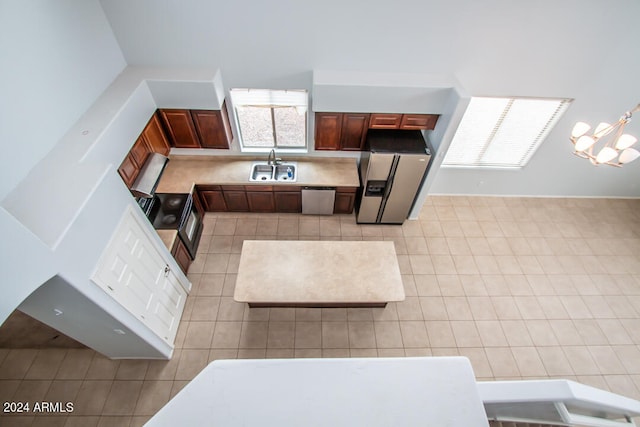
375 188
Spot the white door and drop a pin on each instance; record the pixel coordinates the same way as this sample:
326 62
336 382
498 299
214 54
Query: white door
135 274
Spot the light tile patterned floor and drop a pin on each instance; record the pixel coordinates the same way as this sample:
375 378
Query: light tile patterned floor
523 287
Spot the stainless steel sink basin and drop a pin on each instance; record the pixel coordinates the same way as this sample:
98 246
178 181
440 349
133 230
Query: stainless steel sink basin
263 172
285 172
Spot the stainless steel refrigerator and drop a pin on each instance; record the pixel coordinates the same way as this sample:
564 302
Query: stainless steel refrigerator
392 170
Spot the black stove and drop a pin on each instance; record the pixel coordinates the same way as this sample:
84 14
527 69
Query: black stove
169 210
175 211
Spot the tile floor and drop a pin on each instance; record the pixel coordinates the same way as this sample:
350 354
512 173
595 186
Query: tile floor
523 287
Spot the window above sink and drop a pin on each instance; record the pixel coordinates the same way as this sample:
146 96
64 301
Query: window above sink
271 119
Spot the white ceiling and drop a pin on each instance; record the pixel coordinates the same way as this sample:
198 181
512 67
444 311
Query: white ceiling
581 49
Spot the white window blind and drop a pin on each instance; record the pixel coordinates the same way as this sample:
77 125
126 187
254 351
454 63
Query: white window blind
503 132
268 97
271 118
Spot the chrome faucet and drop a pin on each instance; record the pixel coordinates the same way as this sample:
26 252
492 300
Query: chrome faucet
272 159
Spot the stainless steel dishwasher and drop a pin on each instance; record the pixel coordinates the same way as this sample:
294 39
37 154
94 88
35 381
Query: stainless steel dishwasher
318 200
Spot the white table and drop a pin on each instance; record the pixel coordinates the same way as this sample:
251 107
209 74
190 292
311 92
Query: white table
429 391
318 274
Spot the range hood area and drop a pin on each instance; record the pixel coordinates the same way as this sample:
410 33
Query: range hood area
149 176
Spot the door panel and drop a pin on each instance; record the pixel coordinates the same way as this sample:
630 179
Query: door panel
369 207
405 185
379 166
136 275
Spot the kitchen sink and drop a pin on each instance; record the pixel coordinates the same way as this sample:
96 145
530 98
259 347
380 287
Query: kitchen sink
283 172
261 172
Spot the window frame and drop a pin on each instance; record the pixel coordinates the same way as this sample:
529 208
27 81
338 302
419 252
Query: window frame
529 149
271 93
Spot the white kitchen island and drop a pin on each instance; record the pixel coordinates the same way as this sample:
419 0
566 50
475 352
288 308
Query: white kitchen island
424 391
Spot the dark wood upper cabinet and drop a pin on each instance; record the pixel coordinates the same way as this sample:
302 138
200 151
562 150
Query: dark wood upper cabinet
418 121
214 130
132 163
354 131
328 127
128 170
140 151
180 128
385 121
155 137
348 131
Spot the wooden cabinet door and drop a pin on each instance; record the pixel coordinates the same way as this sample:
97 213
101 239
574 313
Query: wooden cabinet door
213 200
328 129
354 131
345 200
418 121
128 170
261 201
235 198
197 203
179 125
140 151
155 137
211 129
181 255
288 201
385 121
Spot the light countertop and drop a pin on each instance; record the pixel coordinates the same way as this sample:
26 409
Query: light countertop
168 237
183 172
318 272
403 391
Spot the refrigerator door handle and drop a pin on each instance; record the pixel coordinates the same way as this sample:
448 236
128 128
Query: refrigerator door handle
388 187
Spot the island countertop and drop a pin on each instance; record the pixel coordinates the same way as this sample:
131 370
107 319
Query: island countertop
183 172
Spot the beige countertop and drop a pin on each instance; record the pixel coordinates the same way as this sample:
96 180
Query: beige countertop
318 272
168 237
183 172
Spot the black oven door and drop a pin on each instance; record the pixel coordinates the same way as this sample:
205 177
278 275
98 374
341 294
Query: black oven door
190 228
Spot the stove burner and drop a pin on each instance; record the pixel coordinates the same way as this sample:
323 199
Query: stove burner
174 202
169 219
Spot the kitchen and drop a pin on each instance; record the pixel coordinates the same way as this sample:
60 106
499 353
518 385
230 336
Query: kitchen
136 95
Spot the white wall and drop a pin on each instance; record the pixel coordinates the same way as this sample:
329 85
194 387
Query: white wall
57 57
582 49
60 195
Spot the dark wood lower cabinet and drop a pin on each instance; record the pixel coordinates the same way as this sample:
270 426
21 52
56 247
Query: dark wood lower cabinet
264 198
235 198
261 201
345 200
181 255
211 198
288 200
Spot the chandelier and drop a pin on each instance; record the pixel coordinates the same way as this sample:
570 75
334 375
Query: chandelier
616 149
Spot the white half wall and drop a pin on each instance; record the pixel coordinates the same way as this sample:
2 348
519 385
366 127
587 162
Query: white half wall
57 57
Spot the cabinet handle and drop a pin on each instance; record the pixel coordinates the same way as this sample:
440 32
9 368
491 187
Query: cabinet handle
166 270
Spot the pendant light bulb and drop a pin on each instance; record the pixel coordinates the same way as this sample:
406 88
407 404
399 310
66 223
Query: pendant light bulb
602 129
606 155
629 155
580 129
584 142
625 141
